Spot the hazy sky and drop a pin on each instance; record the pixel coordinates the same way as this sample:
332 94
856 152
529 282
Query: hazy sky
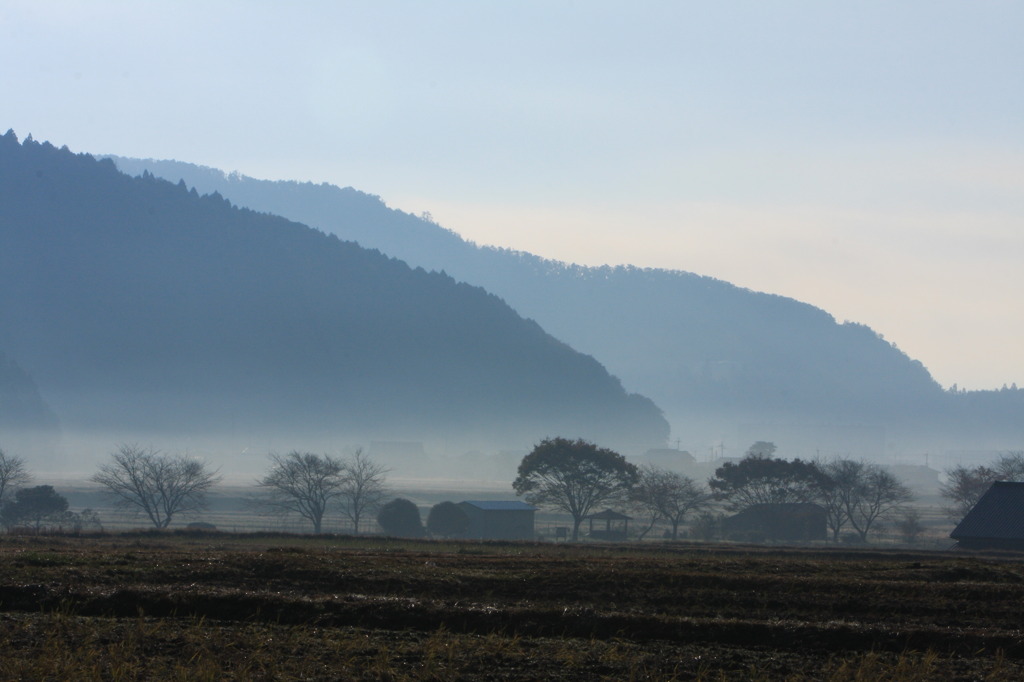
865 157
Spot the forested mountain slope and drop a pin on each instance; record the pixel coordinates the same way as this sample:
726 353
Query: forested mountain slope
137 304
28 427
719 359
22 408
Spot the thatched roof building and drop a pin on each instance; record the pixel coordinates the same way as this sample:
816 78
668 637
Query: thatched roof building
996 521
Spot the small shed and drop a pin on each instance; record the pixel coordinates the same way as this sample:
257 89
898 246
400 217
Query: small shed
616 525
996 521
499 520
788 522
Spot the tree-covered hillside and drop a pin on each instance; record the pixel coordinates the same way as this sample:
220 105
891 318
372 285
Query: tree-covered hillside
137 303
28 427
722 361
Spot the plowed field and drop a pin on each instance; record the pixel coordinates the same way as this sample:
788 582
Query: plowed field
214 606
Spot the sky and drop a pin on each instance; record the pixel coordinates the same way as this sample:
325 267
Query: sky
867 158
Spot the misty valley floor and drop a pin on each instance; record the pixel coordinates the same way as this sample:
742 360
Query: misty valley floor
264 606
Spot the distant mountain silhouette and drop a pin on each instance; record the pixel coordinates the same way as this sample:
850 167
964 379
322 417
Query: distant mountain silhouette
722 361
28 427
138 304
22 408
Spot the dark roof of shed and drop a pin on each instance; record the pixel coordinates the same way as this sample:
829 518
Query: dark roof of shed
610 515
999 514
501 505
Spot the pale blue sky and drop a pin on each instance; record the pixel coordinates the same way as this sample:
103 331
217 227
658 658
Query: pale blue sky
864 157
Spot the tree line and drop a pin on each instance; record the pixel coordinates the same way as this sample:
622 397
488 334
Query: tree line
575 477
578 477
161 487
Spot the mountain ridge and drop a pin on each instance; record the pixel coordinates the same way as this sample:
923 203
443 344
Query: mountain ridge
168 309
716 357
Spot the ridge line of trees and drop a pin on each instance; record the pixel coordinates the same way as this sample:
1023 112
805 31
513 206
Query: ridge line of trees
573 476
577 477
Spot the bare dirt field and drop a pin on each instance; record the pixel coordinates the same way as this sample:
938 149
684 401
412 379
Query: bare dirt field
179 606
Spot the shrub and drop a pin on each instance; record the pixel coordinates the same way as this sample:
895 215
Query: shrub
705 526
400 518
910 527
36 507
447 519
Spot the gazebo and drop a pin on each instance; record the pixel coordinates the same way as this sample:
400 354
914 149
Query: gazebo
618 531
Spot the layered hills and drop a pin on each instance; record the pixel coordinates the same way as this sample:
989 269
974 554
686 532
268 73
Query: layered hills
142 306
725 363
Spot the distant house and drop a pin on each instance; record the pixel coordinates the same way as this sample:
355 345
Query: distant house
668 458
499 520
789 522
996 521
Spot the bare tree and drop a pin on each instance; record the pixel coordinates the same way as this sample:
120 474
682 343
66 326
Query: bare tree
159 486
362 487
13 474
910 527
861 495
867 493
844 476
303 483
1010 466
670 496
964 487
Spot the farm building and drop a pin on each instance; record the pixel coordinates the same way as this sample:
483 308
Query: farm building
789 522
668 458
996 521
499 520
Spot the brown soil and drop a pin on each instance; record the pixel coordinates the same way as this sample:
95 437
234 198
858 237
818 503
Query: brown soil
214 606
